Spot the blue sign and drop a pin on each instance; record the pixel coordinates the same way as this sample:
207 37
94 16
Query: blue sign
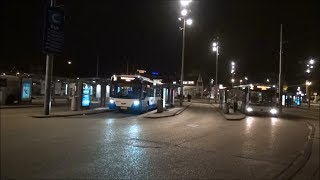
85 100
54 31
155 73
26 91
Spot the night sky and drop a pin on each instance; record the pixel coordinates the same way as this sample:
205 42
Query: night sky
146 34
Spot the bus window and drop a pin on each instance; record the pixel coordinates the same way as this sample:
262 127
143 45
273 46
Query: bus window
3 83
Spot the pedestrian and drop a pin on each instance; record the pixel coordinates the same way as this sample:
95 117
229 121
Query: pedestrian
189 97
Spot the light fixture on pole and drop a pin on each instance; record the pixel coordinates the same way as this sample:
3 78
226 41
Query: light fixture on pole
184 13
215 48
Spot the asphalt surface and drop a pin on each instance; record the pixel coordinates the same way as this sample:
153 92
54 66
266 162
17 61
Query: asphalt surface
198 143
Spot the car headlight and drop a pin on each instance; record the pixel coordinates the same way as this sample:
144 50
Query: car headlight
136 103
249 109
273 111
111 101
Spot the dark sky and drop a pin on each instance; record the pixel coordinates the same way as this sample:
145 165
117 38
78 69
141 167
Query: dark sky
146 34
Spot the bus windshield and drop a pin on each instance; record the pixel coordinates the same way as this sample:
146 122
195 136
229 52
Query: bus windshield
126 90
262 98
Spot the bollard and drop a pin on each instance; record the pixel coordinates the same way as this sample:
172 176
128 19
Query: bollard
74 103
159 106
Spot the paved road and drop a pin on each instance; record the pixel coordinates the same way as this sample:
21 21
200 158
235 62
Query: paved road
198 143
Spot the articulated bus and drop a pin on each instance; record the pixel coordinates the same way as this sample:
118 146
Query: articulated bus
262 100
134 93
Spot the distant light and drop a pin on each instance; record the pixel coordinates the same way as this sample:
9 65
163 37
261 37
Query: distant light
274 86
308 70
233 63
69 62
214 48
311 61
268 80
308 83
184 12
94 81
241 80
185 3
232 80
78 78
179 18
3 73
155 73
18 73
214 44
189 21
58 80
245 78
311 67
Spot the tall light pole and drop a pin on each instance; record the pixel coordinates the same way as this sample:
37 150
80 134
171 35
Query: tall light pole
184 13
215 48
233 69
308 83
280 72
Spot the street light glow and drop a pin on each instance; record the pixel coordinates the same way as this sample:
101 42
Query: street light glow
240 80
184 12
69 62
214 48
232 63
268 80
246 78
214 44
311 61
308 83
308 70
185 3
189 21
232 80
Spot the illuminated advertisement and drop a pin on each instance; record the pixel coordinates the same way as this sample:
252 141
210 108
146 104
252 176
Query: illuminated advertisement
26 90
85 100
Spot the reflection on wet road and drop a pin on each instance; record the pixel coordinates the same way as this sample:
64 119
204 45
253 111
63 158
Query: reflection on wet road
199 143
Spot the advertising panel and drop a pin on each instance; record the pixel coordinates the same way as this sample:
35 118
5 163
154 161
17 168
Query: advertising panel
85 99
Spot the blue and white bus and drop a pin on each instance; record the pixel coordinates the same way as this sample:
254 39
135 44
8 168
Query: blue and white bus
134 93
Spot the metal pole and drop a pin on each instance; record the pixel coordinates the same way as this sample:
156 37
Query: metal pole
182 61
48 78
280 72
216 86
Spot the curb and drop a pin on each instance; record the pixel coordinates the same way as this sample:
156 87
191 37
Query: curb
301 159
75 114
235 119
21 106
176 113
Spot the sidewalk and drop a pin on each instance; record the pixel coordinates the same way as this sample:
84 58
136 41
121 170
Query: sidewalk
73 113
167 113
35 103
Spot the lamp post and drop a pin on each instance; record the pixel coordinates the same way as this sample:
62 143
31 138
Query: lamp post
233 67
184 13
308 83
246 78
215 48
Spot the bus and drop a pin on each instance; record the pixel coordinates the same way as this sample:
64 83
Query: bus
134 93
262 100
9 89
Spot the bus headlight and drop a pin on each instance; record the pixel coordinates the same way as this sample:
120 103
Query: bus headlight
111 101
249 109
273 111
136 103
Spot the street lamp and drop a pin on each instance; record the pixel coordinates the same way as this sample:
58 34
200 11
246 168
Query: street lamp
268 80
215 48
69 62
311 61
185 3
184 13
232 81
246 78
308 83
240 81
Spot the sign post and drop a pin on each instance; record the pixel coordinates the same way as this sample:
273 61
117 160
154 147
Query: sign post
53 44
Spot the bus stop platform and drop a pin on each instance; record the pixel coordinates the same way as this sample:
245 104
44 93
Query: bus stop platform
168 112
74 113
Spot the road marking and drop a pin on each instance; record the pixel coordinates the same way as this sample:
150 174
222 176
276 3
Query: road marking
192 125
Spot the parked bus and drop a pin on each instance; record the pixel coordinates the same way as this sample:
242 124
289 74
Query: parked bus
134 93
9 89
262 99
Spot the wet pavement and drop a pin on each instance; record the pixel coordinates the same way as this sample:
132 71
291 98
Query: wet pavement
198 143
